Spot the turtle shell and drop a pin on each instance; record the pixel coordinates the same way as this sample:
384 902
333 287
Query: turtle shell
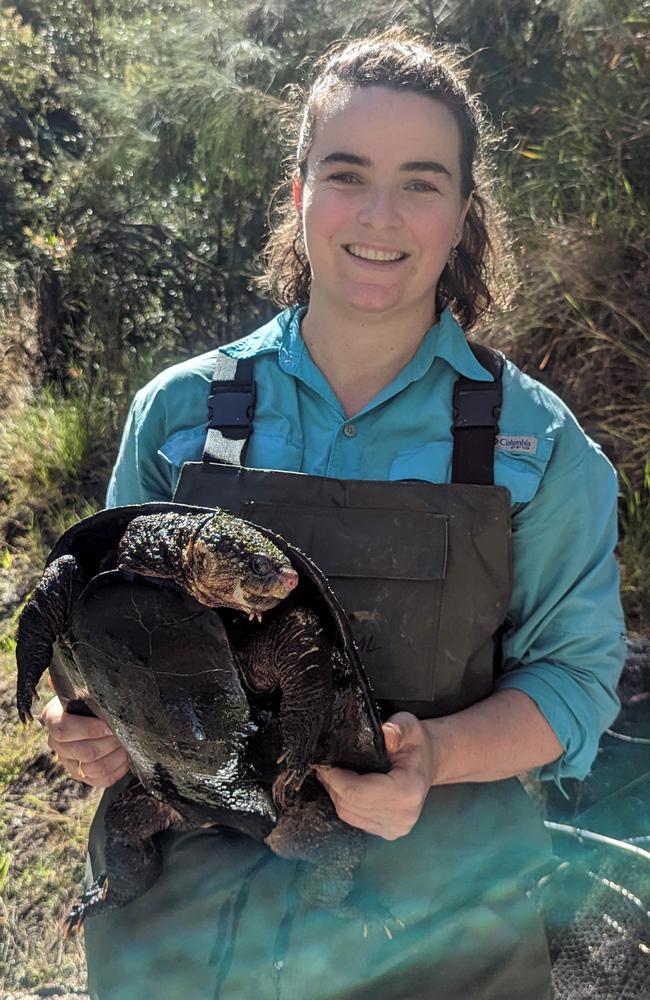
162 670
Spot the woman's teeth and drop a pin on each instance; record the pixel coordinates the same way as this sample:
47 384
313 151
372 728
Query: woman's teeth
367 254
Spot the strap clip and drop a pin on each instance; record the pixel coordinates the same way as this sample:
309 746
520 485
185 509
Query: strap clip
228 408
473 407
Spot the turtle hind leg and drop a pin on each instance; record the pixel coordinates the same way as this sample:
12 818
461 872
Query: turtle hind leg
133 859
331 851
44 618
310 831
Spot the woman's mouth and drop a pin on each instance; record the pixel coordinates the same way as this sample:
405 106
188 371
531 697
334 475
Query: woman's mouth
376 256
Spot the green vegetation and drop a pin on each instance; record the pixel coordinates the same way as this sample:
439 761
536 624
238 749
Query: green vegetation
139 146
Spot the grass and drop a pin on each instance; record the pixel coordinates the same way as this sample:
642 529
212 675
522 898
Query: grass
52 452
44 818
634 546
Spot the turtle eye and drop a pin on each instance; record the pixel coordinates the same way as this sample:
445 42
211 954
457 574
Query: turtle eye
261 565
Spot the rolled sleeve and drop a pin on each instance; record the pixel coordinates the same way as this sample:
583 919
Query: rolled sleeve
565 646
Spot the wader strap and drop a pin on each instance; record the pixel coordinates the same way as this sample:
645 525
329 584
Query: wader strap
476 407
231 408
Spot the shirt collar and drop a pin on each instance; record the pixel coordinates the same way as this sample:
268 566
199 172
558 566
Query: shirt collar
445 339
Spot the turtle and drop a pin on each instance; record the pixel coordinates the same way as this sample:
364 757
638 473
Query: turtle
220 657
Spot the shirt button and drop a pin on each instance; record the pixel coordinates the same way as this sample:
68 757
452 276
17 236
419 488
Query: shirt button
349 430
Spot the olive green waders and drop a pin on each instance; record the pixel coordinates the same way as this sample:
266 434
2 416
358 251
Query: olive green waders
424 572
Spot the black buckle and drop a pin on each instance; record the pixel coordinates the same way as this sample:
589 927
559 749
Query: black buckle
228 408
474 407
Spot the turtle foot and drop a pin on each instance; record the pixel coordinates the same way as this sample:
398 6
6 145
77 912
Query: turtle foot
24 702
287 784
91 901
371 913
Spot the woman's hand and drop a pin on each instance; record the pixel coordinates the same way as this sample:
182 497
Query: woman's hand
387 805
86 747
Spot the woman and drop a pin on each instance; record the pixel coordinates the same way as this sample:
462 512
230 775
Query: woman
356 387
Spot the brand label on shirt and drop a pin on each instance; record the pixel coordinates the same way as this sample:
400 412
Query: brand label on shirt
525 444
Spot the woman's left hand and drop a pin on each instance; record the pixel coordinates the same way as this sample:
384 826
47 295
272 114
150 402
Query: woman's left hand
387 805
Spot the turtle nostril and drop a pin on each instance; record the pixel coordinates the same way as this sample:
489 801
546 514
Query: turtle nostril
289 578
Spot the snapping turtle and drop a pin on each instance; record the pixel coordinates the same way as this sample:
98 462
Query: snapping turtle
151 617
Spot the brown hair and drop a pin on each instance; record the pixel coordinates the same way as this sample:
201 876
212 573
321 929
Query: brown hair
400 62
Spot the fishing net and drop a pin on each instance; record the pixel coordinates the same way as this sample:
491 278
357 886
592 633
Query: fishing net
596 901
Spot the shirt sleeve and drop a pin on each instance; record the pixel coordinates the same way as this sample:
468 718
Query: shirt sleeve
565 645
140 474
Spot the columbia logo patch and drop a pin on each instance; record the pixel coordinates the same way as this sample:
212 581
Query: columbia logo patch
526 445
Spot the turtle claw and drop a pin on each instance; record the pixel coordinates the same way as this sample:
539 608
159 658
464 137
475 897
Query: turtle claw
373 913
91 900
287 784
369 921
25 699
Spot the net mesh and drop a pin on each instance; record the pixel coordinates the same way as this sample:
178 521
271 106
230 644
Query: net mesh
596 901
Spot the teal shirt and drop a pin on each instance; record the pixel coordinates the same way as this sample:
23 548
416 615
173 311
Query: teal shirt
565 645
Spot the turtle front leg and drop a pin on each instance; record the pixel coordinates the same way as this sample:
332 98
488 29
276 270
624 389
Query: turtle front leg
43 619
293 654
133 859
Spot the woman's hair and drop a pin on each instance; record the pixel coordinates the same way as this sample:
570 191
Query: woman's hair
400 62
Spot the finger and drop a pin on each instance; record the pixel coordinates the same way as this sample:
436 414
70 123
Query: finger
86 751
338 780
347 787
100 774
70 728
393 736
379 826
102 769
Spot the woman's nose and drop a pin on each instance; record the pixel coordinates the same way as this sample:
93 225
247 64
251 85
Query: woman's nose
380 209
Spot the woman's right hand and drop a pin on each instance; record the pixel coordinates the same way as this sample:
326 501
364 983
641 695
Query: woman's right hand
86 747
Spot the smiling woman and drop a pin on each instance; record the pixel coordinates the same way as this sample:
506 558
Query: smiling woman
464 520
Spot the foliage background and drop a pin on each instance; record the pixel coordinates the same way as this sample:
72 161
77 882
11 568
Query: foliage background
140 142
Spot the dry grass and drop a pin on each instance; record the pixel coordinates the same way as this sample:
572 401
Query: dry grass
585 334
44 817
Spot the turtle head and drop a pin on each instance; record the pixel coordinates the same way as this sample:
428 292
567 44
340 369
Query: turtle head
228 563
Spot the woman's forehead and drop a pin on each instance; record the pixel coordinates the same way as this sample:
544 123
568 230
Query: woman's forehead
366 119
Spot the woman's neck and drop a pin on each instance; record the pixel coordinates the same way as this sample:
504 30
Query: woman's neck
360 358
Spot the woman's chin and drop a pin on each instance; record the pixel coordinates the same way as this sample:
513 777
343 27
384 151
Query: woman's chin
374 301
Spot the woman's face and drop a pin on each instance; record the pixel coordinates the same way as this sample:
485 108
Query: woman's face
381 203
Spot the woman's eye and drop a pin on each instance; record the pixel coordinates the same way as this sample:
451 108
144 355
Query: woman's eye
261 565
345 178
422 186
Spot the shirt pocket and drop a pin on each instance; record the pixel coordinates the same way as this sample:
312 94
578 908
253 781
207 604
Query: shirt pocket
273 451
520 472
430 462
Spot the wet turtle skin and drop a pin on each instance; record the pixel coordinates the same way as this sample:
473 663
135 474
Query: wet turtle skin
223 710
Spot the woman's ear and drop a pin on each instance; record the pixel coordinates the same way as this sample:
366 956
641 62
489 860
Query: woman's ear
296 190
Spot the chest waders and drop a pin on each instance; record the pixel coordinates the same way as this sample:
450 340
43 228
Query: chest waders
424 572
